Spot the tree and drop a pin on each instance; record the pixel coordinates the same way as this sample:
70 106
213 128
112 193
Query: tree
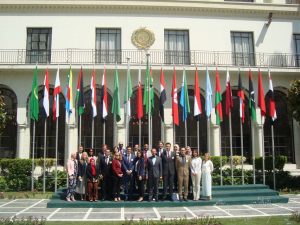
294 99
3 116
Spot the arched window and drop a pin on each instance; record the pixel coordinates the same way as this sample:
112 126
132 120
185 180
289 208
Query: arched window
134 123
51 128
8 139
87 118
192 125
283 128
235 125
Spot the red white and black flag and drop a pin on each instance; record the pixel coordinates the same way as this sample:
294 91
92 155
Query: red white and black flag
241 96
272 108
197 99
261 95
229 101
163 96
174 100
103 103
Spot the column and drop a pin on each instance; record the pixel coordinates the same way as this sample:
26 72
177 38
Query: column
23 134
296 129
258 134
169 126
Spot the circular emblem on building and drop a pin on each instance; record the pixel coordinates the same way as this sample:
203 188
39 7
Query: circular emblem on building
143 38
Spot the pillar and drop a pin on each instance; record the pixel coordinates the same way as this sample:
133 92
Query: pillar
296 129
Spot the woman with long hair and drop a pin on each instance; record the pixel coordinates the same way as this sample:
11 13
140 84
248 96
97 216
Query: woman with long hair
72 170
82 179
207 168
117 176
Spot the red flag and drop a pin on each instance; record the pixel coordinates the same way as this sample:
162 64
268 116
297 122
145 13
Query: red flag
229 102
261 96
103 104
174 100
197 99
139 99
272 108
241 96
46 93
57 90
218 100
163 96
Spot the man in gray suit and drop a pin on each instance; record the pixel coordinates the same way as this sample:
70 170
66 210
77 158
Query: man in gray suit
153 174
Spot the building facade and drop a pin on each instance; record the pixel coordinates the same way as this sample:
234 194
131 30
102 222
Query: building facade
227 35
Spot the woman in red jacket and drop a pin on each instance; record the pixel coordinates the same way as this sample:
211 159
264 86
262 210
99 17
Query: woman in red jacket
117 176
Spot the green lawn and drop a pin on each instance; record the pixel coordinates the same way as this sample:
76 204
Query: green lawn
273 220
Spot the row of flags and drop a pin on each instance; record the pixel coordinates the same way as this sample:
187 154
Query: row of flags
146 99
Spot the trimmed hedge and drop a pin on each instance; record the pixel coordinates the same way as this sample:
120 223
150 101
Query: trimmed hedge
280 161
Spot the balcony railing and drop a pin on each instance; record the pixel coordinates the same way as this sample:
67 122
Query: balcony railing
157 57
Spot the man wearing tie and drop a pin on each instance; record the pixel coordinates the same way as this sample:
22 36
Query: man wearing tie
79 153
182 163
105 167
153 174
168 166
128 167
160 149
121 148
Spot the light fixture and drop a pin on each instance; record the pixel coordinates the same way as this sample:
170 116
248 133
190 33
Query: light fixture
269 19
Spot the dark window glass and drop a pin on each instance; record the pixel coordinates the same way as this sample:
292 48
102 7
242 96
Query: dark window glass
242 48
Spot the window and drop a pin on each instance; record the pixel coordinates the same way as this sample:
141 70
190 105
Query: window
177 47
38 48
242 48
297 48
108 45
238 0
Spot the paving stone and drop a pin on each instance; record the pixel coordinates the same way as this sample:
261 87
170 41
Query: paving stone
104 216
130 216
276 211
106 210
176 215
47 210
38 215
68 216
73 210
210 213
10 209
243 212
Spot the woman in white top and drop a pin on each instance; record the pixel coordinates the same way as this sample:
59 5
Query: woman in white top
196 173
207 168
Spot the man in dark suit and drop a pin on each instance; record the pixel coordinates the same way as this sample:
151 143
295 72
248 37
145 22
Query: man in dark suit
160 148
168 166
105 167
79 153
153 174
128 168
102 151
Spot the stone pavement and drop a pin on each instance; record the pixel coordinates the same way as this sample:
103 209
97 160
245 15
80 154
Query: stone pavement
37 208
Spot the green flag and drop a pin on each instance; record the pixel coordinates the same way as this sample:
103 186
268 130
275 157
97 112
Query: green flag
116 98
148 85
34 99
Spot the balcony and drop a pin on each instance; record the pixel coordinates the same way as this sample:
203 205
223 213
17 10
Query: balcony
157 57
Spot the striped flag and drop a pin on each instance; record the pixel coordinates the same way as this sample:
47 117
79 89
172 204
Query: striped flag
128 94
46 93
241 96
218 100
163 96
174 100
184 98
139 99
208 96
79 94
272 107
103 104
93 94
261 95
197 99
57 90
69 93
251 98
229 101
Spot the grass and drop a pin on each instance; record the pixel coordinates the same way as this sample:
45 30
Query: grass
28 194
272 220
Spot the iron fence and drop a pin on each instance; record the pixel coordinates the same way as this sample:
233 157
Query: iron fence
157 57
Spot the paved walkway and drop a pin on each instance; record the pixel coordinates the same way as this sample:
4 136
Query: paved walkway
37 208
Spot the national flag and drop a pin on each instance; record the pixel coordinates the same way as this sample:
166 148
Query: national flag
184 98
46 93
103 104
148 87
208 96
69 93
93 94
128 94
174 100
272 108
79 94
241 96
229 101
139 99
34 99
197 99
218 100
261 95
57 90
116 98
252 98
163 96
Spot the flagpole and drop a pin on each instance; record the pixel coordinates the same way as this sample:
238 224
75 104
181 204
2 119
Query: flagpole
185 133
104 132
32 164
198 141
242 151
44 165
263 152
56 151
149 105
140 133
221 161
174 134
79 130
208 134
231 152
93 123
273 157
126 108
253 151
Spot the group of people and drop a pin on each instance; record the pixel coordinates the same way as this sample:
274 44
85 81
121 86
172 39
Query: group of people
138 169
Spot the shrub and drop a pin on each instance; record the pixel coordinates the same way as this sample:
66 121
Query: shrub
217 159
50 181
279 163
3 184
237 160
22 221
